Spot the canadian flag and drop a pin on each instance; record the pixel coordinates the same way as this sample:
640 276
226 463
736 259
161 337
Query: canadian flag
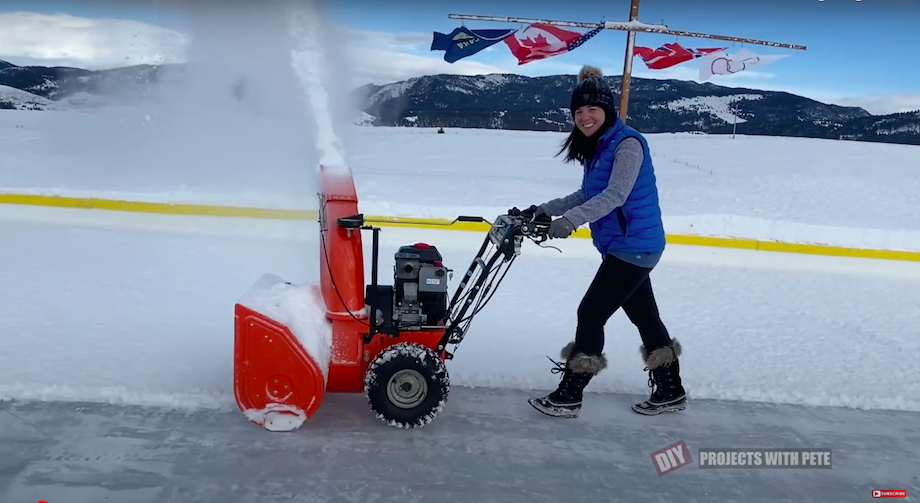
541 41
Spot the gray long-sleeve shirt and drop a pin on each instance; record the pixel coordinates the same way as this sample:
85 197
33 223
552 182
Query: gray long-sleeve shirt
627 160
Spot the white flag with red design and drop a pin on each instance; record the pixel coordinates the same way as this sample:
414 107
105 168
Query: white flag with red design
723 63
541 41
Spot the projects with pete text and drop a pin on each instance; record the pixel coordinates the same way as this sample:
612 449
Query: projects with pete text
764 458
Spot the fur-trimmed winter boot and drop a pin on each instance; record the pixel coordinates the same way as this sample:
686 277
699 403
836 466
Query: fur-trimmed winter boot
663 368
577 372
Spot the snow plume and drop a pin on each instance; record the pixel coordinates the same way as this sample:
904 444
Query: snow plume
313 55
237 114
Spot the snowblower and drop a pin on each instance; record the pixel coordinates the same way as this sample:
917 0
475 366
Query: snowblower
389 342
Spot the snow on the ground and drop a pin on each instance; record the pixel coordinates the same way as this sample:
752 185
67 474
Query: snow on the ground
22 100
832 192
131 308
717 106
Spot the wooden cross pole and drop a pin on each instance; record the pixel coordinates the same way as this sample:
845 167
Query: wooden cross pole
632 26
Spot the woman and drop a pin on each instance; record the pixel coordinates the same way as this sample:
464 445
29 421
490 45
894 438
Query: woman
619 199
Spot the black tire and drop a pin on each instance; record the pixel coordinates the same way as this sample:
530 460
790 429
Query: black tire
422 394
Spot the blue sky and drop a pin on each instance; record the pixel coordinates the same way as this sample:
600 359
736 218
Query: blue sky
856 50
839 60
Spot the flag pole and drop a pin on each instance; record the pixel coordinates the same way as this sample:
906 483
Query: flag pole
632 26
627 62
636 26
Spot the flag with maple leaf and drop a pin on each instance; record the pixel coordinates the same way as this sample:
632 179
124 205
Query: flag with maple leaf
669 55
541 41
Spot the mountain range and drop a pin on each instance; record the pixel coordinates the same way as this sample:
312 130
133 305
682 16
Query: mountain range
507 101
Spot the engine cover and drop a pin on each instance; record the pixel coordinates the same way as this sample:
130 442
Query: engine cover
420 289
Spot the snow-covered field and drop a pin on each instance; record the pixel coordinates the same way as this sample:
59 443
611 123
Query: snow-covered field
137 309
840 193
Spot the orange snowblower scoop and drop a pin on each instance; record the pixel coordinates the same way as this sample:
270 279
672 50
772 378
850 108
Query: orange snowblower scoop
296 342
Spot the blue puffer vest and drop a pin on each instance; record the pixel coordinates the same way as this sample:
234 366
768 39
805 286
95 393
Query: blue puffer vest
636 226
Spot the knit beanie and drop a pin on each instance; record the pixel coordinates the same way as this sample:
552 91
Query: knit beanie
592 89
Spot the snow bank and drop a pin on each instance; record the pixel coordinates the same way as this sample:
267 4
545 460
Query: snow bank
297 308
115 395
793 232
714 225
255 198
812 191
729 226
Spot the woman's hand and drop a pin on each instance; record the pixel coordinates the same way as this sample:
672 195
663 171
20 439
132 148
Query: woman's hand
561 228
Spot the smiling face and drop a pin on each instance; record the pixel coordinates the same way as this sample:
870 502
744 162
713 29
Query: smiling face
589 119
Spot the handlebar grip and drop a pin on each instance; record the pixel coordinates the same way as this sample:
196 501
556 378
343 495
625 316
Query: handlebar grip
470 219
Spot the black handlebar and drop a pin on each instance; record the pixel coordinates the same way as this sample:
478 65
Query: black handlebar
470 219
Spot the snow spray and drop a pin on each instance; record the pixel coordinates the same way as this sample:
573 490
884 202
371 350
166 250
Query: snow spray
244 122
313 67
297 38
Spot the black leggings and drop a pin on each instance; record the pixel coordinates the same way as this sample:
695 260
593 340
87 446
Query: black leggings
619 284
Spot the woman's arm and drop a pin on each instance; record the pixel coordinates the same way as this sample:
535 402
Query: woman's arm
627 159
560 205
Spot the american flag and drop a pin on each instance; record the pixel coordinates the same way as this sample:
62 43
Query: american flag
584 38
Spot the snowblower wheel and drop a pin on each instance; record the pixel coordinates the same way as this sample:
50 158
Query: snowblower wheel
407 385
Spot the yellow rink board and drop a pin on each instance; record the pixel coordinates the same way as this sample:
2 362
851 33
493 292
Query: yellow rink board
287 214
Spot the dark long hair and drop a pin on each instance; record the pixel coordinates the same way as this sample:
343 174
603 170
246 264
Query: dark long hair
578 147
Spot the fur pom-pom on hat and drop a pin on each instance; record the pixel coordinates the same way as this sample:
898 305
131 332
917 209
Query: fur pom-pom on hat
592 89
589 72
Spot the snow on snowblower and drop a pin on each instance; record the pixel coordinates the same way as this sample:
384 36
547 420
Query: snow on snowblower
294 343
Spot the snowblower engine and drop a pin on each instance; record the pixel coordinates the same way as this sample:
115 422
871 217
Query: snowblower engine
420 294
418 299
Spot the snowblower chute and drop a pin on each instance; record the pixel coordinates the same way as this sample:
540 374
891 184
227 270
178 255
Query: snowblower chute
294 343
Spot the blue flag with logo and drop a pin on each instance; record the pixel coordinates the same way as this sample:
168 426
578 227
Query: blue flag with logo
463 42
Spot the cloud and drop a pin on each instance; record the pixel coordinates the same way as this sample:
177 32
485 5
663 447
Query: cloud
400 41
381 57
65 40
62 39
884 104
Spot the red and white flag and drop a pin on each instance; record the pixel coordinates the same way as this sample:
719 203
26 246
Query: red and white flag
669 55
541 41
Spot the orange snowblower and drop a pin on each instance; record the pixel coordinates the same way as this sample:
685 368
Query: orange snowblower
294 343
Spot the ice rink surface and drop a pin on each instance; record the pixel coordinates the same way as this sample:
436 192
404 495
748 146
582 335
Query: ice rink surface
487 446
